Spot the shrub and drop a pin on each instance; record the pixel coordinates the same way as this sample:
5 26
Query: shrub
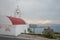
49 33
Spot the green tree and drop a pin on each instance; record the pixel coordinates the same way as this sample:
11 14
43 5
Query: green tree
29 30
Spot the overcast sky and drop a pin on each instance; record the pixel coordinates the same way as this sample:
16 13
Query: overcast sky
33 10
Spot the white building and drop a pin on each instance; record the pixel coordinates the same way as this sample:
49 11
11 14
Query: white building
12 26
35 29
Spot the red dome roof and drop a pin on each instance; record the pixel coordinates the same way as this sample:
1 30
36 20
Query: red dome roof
16 21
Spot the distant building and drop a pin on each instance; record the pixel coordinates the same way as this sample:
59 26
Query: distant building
35 29
39 28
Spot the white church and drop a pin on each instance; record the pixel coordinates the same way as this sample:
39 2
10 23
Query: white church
13 25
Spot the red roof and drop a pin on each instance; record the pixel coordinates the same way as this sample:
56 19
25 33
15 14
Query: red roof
16 21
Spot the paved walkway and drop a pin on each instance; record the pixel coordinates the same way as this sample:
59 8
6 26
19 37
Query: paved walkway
33 37
27 37
4 38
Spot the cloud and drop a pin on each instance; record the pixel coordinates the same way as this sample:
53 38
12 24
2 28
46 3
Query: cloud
39 21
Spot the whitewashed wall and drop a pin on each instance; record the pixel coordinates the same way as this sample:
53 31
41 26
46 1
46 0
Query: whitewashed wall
21 29
13 29
7 30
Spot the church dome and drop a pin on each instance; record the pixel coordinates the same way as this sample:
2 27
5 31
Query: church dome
11 20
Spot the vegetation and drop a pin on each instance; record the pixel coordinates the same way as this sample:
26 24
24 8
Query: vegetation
49 33
29 30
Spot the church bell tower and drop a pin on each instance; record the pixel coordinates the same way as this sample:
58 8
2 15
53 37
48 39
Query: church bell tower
17 11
